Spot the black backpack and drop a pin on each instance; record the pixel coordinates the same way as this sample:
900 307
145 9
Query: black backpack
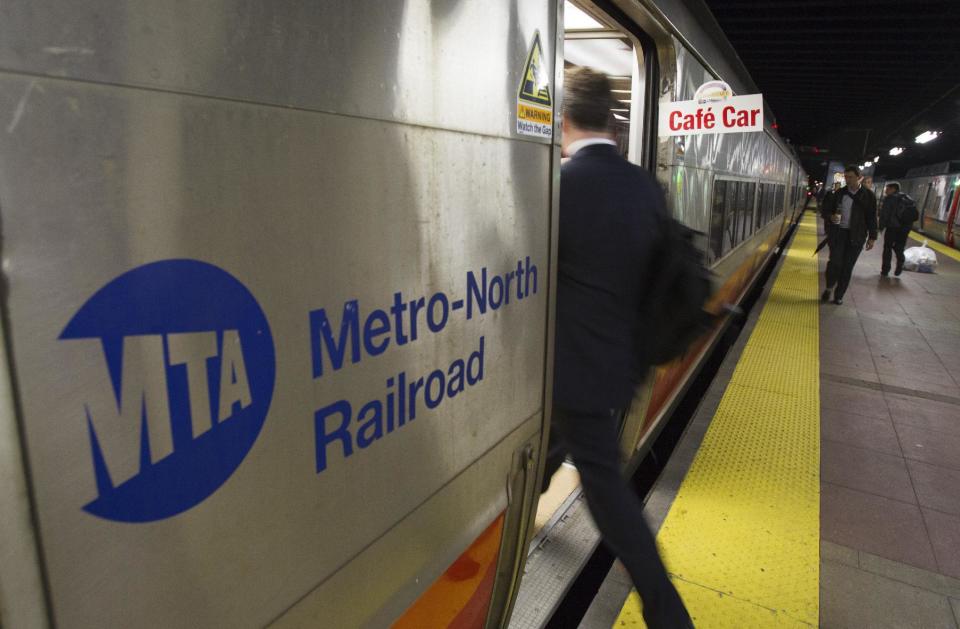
671 313
906 211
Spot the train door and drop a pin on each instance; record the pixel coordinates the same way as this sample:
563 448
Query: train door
598 35
952 217
927 194
594 39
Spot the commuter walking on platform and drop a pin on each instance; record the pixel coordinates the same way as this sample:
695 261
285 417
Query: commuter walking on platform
897 215
610 213
821 193
827 195
825 199
850 217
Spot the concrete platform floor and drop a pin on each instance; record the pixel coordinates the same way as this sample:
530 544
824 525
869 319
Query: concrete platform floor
890 449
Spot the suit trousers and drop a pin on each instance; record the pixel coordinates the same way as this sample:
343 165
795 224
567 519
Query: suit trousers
894 240
843 257
591 439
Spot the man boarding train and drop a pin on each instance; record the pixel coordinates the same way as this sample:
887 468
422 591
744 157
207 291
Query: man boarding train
610 222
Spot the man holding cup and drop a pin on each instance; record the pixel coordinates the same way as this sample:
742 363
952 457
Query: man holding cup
850 218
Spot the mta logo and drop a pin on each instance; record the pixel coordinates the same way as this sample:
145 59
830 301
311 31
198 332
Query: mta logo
186 367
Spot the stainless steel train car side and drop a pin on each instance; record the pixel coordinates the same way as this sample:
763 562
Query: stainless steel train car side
276 306
278 292
937 197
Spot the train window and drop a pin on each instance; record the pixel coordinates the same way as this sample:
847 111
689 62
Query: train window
933 202
761 198
730 216
761 203
592 40
733 218
748 193
770 203
742 219
716 218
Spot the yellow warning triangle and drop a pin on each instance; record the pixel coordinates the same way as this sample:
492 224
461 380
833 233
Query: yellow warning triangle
535 84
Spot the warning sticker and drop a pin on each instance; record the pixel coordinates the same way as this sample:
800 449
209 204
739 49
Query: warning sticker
534 103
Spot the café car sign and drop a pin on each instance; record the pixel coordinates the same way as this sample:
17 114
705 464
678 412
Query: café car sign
713 110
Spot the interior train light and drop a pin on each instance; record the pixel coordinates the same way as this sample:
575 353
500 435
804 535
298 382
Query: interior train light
867 164
895 151
576 18
926 136
876 159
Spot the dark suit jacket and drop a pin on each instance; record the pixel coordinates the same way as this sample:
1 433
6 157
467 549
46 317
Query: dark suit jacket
610 214
863 214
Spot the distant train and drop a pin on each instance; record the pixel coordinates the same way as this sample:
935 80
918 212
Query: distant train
278 294
936 189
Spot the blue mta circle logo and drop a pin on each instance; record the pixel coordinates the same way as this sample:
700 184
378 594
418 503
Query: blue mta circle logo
187 371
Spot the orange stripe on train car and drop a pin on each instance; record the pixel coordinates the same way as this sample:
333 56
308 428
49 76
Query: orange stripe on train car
460 597
671 376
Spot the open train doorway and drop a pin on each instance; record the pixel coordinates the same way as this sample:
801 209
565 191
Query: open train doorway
595 39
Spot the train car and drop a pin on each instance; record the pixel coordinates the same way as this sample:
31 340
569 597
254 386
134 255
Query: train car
936 189
278 288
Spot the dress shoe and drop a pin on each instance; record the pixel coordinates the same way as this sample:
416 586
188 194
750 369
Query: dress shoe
825 296
898 271
838 301
884 273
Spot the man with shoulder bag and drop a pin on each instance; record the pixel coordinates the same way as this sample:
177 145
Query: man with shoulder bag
897 215
611 222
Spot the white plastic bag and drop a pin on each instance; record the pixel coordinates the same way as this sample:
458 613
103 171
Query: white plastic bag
921 259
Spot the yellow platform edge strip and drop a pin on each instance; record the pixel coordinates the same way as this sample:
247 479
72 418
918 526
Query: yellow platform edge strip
742 538
937 246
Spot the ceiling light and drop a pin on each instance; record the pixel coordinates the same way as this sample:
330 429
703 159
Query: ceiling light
926 136
576 18
867 164
895 151
609 56
876 159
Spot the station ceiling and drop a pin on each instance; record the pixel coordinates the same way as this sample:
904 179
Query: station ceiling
854 78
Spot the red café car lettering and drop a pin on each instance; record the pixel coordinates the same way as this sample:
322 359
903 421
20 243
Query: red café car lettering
704 118
691 122
742 118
